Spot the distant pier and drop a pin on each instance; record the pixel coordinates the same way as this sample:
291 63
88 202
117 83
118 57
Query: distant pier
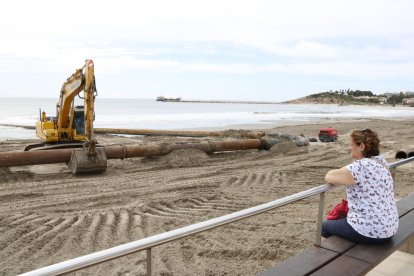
231 102
164 99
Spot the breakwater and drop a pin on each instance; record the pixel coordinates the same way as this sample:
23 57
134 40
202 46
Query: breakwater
228 102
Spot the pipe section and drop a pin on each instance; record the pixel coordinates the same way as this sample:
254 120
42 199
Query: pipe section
404 154
154 132
24 158
400 155
13 158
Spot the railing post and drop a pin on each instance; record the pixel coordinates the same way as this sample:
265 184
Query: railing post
320 218
149 262
392 171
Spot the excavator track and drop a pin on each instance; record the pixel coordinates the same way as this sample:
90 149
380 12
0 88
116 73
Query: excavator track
48 146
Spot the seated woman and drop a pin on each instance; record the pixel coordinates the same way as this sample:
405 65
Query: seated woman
372 216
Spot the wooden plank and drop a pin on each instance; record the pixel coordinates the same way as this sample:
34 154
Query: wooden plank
303 263
377 253
343 266
402 212
407 202
337 244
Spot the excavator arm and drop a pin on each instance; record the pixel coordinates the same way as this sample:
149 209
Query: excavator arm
82 80
90 89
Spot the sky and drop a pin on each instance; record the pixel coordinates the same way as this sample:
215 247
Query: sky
220 50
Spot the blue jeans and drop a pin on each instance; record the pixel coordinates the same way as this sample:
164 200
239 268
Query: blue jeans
341 227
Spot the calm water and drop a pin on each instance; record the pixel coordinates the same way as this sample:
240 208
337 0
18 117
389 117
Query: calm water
150 114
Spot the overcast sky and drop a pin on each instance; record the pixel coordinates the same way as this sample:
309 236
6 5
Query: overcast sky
241 50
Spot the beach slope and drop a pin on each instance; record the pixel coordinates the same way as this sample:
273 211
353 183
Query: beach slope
48 216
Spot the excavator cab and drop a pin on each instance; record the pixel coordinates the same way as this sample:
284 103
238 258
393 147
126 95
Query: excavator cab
79 120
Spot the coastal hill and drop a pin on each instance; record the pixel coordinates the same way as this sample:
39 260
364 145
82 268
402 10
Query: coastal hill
341 97
356 97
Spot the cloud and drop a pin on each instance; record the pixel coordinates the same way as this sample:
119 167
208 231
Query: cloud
261 24
371 71
363 70
371 40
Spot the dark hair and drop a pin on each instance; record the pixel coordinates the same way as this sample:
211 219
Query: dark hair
369 138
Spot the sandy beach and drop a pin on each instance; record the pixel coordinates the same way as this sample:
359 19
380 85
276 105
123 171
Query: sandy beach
48 216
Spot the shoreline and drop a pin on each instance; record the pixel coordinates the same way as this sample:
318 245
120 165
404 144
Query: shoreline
226 102
249 126
286 123
385 106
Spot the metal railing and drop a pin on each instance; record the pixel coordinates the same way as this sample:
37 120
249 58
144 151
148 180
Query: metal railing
150 242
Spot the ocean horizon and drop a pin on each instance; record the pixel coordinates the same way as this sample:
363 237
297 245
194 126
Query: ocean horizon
152 114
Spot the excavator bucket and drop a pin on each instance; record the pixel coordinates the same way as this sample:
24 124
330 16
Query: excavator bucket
81 163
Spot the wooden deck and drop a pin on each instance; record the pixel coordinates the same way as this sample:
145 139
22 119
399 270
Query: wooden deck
337 256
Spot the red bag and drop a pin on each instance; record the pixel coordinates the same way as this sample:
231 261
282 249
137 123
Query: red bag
339 211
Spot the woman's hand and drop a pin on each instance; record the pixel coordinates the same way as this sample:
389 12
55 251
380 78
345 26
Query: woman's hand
339 177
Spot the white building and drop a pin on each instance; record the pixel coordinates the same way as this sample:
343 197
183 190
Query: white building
408 101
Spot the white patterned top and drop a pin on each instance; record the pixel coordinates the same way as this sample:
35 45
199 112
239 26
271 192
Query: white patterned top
372 208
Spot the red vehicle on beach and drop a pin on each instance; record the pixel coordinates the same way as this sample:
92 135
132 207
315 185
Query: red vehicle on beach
328 134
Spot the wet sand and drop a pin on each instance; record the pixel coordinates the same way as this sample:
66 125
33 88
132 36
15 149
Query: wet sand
47 215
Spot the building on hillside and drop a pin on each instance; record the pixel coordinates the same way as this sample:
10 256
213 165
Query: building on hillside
382 100
363 97
388 94
408 101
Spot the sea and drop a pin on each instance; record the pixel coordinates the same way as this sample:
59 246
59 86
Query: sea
152 114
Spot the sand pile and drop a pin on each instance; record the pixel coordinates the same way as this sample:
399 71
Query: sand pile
180 158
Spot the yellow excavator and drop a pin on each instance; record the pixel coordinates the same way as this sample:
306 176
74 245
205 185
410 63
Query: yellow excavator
73 125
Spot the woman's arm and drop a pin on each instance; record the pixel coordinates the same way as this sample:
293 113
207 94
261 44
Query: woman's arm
339 177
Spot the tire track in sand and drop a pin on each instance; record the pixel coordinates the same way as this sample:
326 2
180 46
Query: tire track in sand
23 233
36 238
